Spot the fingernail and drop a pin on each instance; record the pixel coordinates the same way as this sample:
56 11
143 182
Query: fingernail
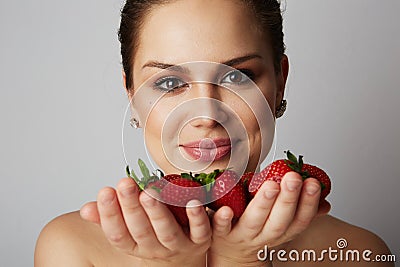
128 191
225 218
194 206
293 184
107 199
270 194
312 189
196 210
225 215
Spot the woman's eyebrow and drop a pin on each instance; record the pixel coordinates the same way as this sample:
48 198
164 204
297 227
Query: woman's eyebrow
238 60
230 62
160 65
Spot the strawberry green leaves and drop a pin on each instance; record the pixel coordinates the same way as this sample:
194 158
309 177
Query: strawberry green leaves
296 164
146 179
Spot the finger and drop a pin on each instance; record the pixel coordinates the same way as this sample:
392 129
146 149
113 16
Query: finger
307 208
112 222
222 221
254 217
324 207
135 217
284 209
168 231
90 213
200 229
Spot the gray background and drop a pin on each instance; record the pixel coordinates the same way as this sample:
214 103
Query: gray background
62 103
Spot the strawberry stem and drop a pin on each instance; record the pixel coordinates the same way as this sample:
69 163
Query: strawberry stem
296 164
128 173
207 179
144 169
188 176
147 178
131 174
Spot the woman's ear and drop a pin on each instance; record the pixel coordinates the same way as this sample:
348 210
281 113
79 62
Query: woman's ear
124 81
281 79
128 92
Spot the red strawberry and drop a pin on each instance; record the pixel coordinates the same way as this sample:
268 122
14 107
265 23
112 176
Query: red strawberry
156 180
159 184
228 191
276 170
273 172
246 178
173 188
146 179
179 192
321 176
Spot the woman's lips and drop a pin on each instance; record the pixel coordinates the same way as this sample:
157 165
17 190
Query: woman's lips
208 149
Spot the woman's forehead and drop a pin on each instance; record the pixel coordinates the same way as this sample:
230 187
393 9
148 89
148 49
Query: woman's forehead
186 31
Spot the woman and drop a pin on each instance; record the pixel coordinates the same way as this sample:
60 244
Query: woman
137 230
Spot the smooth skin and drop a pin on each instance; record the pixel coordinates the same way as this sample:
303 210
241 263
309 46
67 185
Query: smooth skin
125 227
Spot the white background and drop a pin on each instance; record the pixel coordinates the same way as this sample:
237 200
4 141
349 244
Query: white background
62 103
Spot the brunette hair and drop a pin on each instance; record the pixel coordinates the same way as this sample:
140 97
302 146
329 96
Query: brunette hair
134 11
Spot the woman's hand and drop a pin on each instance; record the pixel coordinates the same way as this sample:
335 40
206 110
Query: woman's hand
276 215
139 225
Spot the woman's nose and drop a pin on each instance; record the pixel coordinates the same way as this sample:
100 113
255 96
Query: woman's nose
210 110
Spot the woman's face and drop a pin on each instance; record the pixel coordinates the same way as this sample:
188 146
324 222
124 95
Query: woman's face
222 31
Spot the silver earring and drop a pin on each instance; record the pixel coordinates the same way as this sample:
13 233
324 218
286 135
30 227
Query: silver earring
281 109
134 123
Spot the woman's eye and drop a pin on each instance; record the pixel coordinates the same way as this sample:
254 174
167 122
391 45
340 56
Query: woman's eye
237 77
168 84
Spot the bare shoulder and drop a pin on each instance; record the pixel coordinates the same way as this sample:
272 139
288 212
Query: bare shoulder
64 240
356 237
330 233
70 241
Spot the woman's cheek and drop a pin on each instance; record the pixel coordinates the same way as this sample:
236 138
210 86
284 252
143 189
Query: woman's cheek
152 132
